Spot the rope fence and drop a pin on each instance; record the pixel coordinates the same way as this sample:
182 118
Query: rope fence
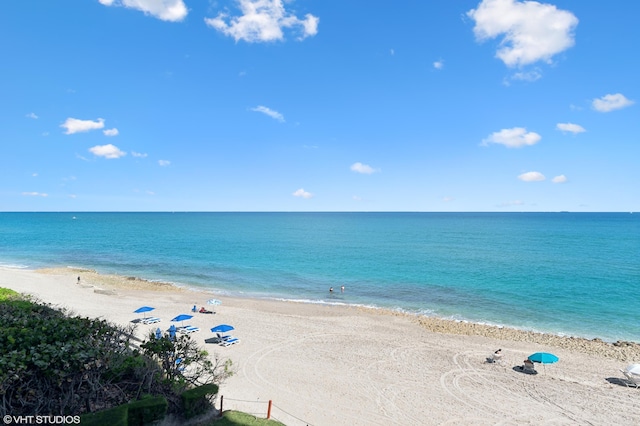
262 409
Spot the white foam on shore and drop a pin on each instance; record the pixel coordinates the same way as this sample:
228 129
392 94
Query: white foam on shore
11 266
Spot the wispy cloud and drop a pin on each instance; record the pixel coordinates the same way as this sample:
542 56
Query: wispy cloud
111 132
74 125
363 168
268 111
138 154
35 194
531 177
32 115
515 137
439 64
166 10
108 151
570 127
611 102
302 193
164 163
263 21
559 179
530 31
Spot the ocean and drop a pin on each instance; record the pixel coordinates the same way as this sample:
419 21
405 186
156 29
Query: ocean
573 274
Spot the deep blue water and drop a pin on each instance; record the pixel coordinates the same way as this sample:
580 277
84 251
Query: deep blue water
569 273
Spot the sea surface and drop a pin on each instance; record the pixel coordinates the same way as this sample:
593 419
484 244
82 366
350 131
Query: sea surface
574 274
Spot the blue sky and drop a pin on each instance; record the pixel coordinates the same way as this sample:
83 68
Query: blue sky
319 105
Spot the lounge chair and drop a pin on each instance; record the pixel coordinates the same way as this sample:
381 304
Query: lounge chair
496 357
230 341
150 320
188 329
631 379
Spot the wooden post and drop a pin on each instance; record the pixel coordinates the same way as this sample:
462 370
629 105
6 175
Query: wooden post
269 411
221 401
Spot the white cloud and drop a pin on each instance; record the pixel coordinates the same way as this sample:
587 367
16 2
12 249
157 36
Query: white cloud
356 198
516 137
448 199
559 179
611 102
107 151
262 21
532 177
363 168
72 196
139 154
570 127
32 115
111 132
268 111
166 10
438 64
35 194
529 76
74 125
34 174
531 31
302 193
164 163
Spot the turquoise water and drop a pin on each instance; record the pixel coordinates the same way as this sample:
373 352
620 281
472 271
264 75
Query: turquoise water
567 273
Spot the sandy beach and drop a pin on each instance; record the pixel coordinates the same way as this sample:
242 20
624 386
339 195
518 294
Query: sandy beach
336 365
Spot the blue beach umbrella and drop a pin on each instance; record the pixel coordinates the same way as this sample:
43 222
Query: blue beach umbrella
222 328
543 358
172 332
143 310
158 333
182 318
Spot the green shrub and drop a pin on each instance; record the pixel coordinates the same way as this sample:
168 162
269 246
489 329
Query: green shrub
7 293
195 401
116 416
146 410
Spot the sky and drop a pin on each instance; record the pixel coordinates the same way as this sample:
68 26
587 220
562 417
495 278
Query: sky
319 105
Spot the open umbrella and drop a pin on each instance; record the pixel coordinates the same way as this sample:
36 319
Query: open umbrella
182 318
214 302
633 369
543 358
222 328
143 310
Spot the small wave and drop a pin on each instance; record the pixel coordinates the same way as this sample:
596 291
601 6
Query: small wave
11 266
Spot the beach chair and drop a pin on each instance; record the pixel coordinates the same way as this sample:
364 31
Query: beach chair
150 320
230 341
631 379
188 329
495 357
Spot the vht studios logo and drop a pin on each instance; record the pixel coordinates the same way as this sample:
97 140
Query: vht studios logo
40 420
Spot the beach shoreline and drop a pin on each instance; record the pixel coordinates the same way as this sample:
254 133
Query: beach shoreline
333 364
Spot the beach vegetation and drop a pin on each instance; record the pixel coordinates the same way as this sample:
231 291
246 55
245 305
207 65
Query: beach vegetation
53 362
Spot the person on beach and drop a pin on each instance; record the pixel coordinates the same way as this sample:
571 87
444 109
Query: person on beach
342 289
330 289
194 309
78 280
